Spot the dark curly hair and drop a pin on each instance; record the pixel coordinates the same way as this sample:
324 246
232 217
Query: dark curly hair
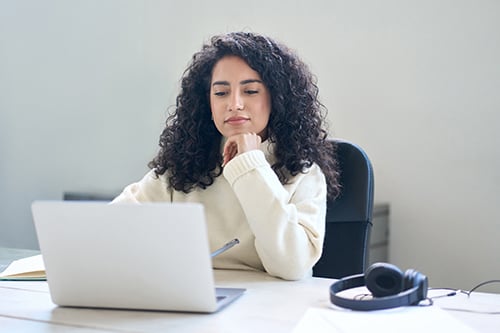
190 144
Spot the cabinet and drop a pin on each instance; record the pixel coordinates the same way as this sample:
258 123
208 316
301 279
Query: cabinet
379 237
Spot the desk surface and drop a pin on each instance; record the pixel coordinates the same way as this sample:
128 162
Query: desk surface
269 305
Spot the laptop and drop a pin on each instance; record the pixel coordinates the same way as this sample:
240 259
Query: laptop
152 256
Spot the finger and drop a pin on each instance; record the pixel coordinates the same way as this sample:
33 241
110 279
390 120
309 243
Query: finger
230 150
228 157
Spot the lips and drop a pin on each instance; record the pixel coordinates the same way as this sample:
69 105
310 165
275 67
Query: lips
236 120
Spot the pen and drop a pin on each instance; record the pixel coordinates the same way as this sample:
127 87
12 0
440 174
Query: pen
226 247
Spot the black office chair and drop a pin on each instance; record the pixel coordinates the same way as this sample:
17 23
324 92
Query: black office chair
349 217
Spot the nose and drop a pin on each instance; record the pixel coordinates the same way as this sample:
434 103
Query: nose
236 102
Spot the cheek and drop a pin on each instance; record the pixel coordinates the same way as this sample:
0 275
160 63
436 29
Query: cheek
213 109
217 117
212 106
266 105
265 111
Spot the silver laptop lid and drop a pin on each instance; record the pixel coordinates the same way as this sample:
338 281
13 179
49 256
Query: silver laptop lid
151 256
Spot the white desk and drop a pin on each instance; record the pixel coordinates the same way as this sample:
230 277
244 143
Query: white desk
269 305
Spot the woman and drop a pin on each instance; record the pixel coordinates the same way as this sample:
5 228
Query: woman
246 141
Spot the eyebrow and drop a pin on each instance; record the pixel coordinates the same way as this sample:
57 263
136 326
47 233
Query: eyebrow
226 83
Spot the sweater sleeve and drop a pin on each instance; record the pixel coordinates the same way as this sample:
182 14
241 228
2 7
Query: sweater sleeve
288 221
149 188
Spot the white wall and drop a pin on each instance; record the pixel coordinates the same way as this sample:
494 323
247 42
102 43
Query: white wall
85 86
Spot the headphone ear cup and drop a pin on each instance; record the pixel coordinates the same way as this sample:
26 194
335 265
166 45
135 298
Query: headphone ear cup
412 279
383 279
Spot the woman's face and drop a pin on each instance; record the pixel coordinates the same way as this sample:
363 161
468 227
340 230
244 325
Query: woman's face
239 100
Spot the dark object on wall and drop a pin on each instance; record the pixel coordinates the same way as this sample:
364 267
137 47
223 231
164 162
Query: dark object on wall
73 196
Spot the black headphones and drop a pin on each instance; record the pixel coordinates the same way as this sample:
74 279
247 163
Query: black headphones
390 288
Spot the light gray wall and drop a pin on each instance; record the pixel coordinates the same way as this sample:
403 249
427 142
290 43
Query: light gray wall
85 86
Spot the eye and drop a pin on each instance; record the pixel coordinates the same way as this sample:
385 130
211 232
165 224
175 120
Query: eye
251 92
219 93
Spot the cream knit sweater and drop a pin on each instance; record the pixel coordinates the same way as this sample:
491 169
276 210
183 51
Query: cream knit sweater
280 227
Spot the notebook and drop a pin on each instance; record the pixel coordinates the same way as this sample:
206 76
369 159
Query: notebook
152 256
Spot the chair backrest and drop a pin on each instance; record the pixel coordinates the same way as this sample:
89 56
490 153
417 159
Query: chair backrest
349 217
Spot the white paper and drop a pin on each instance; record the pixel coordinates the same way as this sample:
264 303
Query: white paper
403 319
